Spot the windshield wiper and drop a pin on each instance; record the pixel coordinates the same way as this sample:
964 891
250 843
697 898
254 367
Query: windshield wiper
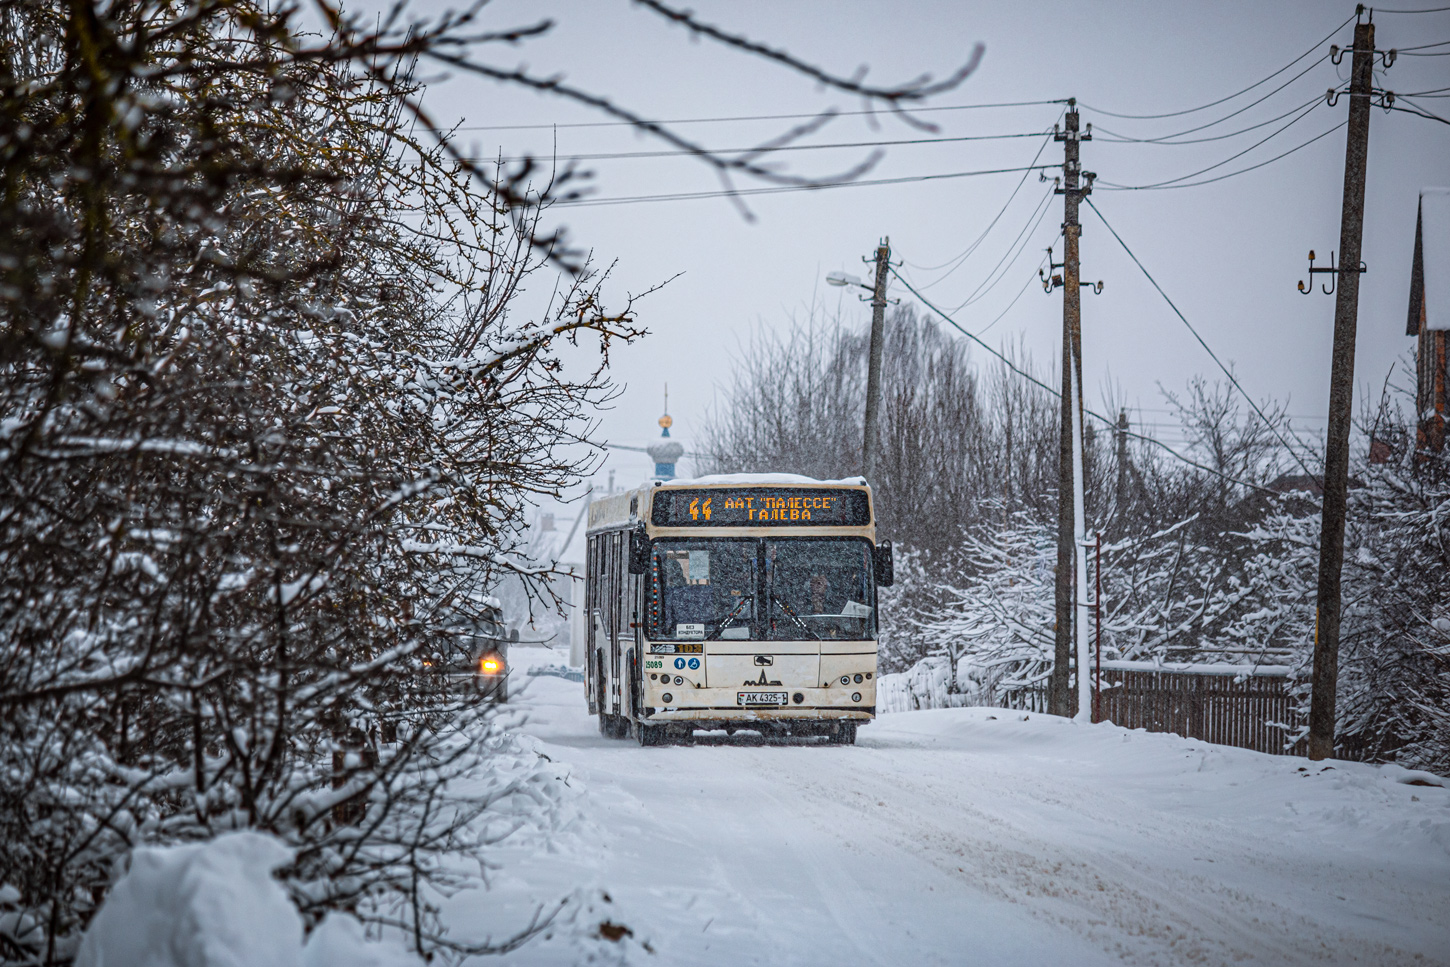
726 620
795 617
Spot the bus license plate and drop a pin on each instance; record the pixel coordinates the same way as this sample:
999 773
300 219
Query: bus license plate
761 698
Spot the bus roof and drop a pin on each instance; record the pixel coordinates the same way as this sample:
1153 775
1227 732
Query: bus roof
762 479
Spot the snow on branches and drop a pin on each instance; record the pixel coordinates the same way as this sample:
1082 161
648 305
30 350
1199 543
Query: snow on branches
263 377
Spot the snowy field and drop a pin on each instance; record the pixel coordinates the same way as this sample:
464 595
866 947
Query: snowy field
964 836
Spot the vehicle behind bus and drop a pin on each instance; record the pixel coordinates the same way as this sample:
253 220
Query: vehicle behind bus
736 602
475 652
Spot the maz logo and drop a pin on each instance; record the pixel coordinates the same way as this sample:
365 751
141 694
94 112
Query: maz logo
765 659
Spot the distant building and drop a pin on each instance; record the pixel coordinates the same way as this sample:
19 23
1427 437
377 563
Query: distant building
1429 317
665 452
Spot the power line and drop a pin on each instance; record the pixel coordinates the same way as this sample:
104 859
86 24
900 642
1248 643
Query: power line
1110 186
1024 230
620 446
1426 10
1233 157
1168 409
623 155
1001 315
1418 111
1204 107
779 189
1019 243
1212 355
1438 43
956 260
1113 424
1167 138
1114 137
753 117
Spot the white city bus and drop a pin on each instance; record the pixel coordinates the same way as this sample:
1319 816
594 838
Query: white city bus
734 602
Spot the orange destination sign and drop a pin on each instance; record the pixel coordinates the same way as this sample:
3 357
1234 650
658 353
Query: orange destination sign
761 507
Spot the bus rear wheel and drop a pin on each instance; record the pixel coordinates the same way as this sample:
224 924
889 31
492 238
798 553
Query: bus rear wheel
845 734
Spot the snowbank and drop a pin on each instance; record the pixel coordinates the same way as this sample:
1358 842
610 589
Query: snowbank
216 904
927 685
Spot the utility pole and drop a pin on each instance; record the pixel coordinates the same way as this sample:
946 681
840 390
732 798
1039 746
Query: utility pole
1122 442
870 453
1341 389
1069 453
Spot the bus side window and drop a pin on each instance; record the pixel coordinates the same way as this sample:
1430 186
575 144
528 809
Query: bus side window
611 588
591 604
591 594
621 575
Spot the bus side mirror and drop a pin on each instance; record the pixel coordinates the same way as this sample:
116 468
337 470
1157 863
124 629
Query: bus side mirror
638 552
885 564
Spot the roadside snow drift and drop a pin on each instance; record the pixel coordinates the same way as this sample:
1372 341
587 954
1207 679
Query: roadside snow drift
216 904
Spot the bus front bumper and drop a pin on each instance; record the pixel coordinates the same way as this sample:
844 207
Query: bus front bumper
689 704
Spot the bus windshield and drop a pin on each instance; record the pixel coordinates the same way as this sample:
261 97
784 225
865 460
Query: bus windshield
761 589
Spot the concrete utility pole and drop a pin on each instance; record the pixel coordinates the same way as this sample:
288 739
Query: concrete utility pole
870 452
1069 453
1341 390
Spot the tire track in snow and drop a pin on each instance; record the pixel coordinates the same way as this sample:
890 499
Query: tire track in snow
1179 918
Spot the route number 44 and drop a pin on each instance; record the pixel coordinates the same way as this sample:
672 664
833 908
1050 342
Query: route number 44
698 509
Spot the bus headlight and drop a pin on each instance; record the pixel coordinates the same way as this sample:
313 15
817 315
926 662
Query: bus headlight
491 665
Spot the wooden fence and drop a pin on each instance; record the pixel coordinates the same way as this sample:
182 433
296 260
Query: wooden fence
1245 706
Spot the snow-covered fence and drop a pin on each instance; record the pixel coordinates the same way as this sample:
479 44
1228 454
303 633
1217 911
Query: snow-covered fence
1248 706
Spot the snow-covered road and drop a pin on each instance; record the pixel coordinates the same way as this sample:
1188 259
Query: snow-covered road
966 836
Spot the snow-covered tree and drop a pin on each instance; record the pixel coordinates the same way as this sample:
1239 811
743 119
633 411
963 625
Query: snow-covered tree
264 382
1393 700
995 629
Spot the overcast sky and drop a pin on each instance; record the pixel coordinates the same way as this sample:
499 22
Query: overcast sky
1228 253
